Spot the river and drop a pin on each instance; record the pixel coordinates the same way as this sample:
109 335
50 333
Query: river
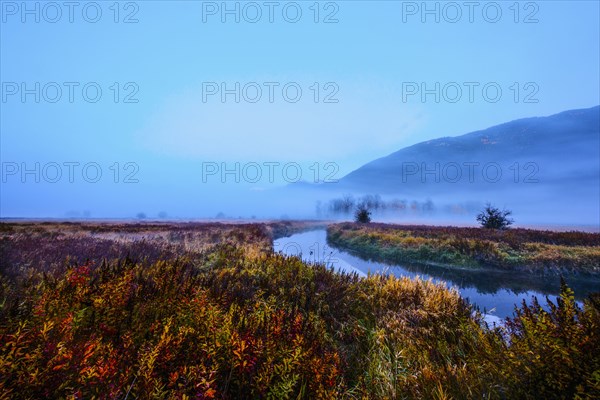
494 292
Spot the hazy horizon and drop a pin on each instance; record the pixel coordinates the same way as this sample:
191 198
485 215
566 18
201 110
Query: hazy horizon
191 109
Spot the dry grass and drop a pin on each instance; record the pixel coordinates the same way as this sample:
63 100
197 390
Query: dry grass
521 249
208 311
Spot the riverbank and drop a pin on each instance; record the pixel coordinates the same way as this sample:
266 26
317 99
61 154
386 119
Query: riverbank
512 249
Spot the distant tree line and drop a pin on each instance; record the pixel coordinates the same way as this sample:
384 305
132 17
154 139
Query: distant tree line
348 204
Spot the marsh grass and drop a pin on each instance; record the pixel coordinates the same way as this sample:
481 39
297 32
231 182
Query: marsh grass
235 321
513 249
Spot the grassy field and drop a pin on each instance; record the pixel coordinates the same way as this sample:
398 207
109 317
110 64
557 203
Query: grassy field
512 249
178 311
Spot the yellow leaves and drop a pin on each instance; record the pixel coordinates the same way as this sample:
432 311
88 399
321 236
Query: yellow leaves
165 334
439 393
46 328
15 347
147 361
239 346
99 302
413 241
150 355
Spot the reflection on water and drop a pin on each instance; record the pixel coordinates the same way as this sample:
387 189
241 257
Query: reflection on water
495 292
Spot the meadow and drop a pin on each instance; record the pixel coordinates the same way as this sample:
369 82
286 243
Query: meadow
209 311
512 249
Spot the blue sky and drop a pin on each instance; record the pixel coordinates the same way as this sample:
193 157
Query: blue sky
177 50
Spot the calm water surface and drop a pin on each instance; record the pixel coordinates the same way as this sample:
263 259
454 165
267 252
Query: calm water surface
494 292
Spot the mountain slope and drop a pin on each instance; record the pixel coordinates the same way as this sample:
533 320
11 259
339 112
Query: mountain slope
542 155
